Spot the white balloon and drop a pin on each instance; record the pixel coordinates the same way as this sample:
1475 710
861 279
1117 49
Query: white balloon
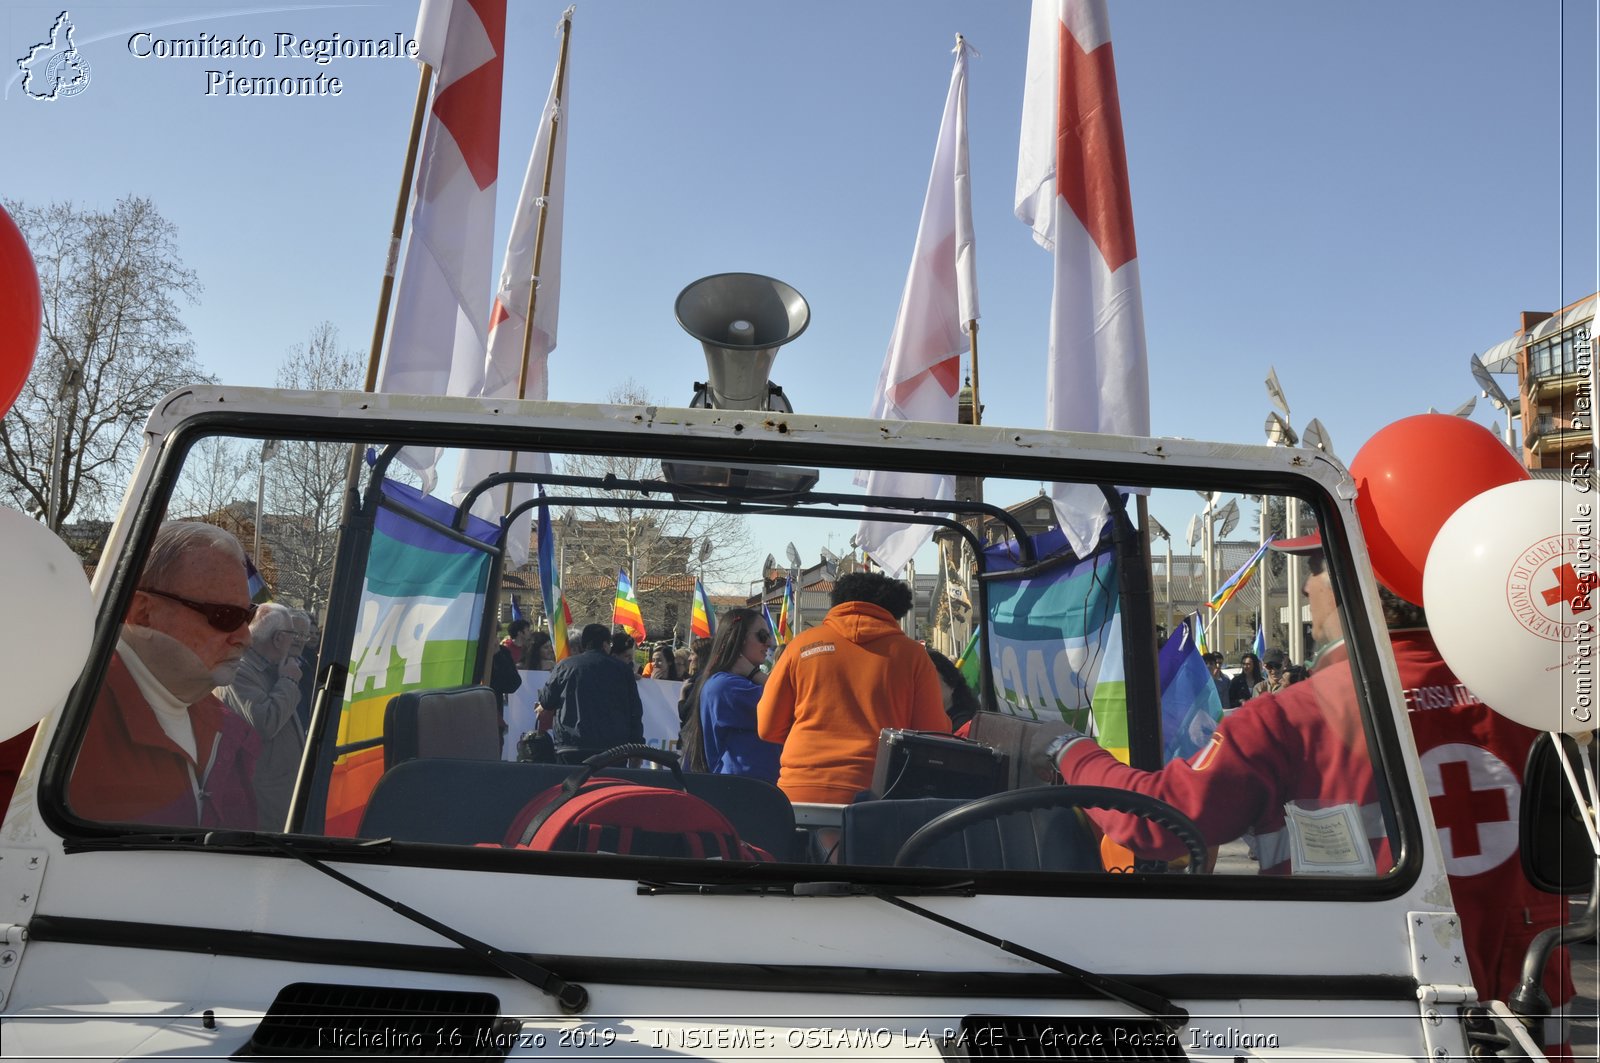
1510 586
46 623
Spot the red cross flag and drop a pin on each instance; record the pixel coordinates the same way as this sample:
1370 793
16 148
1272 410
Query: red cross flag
922 367
1072 189
441 307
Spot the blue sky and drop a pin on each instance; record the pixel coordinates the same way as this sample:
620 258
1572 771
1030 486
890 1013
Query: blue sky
1360 194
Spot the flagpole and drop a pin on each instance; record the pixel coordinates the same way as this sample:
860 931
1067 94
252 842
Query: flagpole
539 225
972 364
419 116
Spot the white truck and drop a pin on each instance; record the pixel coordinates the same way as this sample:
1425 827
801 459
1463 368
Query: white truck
388 915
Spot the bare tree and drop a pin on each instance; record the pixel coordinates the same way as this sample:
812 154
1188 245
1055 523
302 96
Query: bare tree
660 548
214 479
113 344
305 480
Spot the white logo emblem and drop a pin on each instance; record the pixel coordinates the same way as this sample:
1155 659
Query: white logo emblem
1476 802
54 68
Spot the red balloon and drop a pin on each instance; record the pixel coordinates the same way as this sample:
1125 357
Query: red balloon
1410 477
20 311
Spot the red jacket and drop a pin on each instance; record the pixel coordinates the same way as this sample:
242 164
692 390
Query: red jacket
1472 759
833 689
128 770
1303 745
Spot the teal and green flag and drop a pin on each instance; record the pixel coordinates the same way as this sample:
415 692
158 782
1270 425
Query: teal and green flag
418 627
1055 640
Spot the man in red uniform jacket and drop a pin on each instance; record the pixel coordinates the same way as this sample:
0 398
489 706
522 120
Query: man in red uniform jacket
160 747
1304 746
1280 768
1473 758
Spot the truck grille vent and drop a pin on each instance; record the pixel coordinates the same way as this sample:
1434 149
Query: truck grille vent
314 1019
1000 1037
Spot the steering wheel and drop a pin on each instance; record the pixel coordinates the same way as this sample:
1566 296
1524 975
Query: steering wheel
994 806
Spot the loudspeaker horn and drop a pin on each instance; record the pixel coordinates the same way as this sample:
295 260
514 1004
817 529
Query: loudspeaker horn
741 319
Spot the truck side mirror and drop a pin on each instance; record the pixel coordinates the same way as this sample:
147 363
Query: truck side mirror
1557 856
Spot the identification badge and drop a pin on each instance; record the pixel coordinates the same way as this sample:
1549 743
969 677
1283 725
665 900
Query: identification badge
1328 841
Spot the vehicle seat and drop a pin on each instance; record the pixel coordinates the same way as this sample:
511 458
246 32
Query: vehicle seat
463 802
1047 839
458 724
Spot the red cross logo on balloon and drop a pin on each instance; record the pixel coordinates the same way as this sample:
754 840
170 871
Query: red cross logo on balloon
1571 588
1545 592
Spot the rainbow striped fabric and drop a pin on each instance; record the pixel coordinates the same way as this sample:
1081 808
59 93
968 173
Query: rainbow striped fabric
701 623
787 615
1237 581
625 609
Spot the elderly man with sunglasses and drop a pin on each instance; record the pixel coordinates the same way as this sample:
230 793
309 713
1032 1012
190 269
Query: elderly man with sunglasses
160 747
266 694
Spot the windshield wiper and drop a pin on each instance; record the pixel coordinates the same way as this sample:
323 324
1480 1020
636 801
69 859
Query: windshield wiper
1150 1003
572 998
1145 1001
828 888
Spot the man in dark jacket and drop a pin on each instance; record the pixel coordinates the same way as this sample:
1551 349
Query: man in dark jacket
595 699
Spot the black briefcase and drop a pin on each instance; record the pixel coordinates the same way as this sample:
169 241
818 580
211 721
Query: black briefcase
929 764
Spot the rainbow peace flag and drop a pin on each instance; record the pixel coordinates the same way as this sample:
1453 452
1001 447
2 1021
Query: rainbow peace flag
701 623
786 614
555 603
1200 634
625 608
1237 581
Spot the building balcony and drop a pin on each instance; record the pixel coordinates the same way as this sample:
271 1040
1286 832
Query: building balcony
1555 389
1546 438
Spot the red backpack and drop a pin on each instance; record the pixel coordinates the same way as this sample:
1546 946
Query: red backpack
590 814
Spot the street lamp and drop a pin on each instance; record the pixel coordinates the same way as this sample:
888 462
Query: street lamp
1159 531
66 413
269 447
1496 396
1281 434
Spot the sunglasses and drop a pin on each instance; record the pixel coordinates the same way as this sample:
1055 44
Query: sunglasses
222 617
1316 564
763 636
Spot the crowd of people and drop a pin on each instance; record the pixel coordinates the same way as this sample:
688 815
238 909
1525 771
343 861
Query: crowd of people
1253 678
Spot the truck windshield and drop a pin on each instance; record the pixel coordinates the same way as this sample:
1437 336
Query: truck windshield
641 659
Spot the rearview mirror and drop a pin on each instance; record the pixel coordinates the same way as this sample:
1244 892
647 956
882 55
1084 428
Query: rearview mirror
1557 856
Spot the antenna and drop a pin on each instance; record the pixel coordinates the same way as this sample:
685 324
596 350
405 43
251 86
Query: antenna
1316 437
793 556
1275 393
1230 517
1486 381
1279 434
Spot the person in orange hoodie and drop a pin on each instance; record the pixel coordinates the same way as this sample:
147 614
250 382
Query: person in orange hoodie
838 684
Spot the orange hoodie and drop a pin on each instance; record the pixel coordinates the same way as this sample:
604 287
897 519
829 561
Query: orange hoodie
834 688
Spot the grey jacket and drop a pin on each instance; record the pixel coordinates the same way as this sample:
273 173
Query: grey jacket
267 701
